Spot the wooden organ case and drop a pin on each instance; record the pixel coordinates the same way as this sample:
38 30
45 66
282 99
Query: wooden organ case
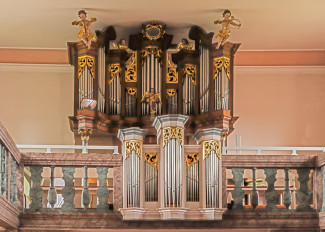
196 81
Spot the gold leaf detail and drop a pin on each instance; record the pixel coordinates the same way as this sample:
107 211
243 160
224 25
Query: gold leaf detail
173 133
133 145
212 145
172 75
190 71
131 69
131 91
152 159
113 70
219 63
86 60
171 92
191 159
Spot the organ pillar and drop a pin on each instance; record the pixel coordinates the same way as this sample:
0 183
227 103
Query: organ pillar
172 170
211 175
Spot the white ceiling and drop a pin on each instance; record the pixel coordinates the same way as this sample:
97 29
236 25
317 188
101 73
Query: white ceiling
266 24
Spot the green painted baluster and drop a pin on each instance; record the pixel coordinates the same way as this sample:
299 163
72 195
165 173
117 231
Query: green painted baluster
13 184
36 192
254 193
303 194
68 192
238 194
102 192
271 195
85 200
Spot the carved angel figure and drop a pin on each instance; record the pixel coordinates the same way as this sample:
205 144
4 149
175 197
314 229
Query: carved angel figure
84 28
226 23
152 98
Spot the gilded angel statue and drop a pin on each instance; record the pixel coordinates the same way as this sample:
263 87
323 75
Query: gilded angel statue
224 33
84 28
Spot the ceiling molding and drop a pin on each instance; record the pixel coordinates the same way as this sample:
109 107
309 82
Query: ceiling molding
46 68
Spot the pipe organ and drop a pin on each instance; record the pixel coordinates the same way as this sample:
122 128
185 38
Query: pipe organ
170 106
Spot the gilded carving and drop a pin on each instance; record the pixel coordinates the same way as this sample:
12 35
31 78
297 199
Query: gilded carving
173 133
113 70
86 60
152 159
190 71
151 50
191 159
212 145
219 63
171 92
85 133
131 69
133 145
131 91
153 31
172 75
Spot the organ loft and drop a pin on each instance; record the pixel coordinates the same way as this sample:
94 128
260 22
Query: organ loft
168 107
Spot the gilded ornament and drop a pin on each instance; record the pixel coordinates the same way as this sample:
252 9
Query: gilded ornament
171 92
219 63
153 31
151 50
131 69
114 70
133 145
191 159
173 133
85 133
172 75
212 145
190 71
152 159
86 60
131 91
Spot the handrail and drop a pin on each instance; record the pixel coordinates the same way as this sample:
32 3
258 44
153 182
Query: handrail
83 148
260 149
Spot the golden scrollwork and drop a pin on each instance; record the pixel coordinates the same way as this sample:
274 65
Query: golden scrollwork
86 61
153 31
189 46
212 145
152 159
190 71
191 159
171 92
151 50
133 145
131 91
114 70
219 63
173 133
131 69
172 75
85 133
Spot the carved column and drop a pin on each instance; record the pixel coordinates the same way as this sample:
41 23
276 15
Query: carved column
68 192
172 166
238 193
303 194
211 184
271 194
102 192
36 192
133 172
287 192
